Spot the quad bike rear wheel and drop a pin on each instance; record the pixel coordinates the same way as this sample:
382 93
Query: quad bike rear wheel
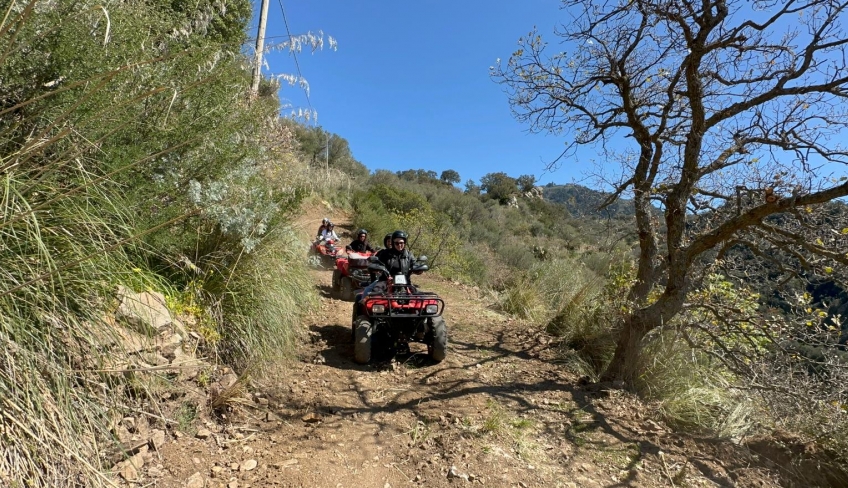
438 348
336 288
363 341
347 288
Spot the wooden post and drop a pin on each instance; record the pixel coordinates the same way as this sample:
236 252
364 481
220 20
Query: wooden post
260 46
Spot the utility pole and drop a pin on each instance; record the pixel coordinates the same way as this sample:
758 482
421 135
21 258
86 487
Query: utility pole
260 46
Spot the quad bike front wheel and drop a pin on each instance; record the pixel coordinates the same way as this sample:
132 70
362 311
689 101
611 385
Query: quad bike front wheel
362 340
438 348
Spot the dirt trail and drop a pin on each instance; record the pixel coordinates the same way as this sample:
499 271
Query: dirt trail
497 412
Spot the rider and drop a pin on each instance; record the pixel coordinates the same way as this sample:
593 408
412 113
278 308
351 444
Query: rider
397 259
387 241
329 234
360 244
323 227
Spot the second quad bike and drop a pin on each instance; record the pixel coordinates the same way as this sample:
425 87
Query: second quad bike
351 274
386 319
323 253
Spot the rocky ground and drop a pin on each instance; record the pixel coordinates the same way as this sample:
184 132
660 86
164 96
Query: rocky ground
499 411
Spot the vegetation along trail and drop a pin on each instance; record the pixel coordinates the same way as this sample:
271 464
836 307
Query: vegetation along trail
498 411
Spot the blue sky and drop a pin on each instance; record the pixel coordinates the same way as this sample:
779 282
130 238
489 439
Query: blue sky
409 85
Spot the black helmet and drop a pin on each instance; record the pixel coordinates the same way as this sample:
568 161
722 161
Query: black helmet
361 232
399 234
325 221
330 224
387 241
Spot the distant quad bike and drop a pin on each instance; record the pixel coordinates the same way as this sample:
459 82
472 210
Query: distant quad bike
323 253
387 320
351 274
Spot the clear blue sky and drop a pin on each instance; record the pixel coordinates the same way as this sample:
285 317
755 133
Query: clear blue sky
409 85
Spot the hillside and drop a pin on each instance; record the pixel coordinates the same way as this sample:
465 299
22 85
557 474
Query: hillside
497 412
581 201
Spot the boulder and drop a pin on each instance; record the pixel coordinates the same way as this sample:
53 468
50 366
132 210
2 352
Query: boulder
145 311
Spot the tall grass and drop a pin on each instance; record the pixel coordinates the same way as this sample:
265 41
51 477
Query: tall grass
106 119
692 390
267 293
57 268
549 289
572 303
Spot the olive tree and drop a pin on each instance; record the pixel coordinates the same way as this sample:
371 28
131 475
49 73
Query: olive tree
725 112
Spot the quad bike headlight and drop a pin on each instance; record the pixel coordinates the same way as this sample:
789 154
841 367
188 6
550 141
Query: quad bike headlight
378 309
431 309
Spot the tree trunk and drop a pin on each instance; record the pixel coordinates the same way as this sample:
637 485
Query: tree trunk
625 362
627 350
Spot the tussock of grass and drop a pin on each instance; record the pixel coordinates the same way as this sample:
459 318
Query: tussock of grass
550 289
692 392
574 305
268 293
54 279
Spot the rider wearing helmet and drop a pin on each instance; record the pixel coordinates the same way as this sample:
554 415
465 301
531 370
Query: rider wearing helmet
323 227
398 259
387 241
329 234
360 244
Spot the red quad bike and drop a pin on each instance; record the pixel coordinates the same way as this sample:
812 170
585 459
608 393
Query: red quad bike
323 253
388 319
351 274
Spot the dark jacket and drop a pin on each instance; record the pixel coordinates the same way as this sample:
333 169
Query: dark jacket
397 262
360 246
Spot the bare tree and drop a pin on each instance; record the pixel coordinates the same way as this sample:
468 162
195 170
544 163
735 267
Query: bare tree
724 112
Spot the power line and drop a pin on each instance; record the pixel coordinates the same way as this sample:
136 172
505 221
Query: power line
294 53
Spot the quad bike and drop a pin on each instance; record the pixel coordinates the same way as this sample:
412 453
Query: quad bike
351 274
323 253
387 320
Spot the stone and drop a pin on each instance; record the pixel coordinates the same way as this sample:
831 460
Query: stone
248 465
157 439
168 341
128 471
145 311
311 418
285 464
195 481
203 434
130 341
129 423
